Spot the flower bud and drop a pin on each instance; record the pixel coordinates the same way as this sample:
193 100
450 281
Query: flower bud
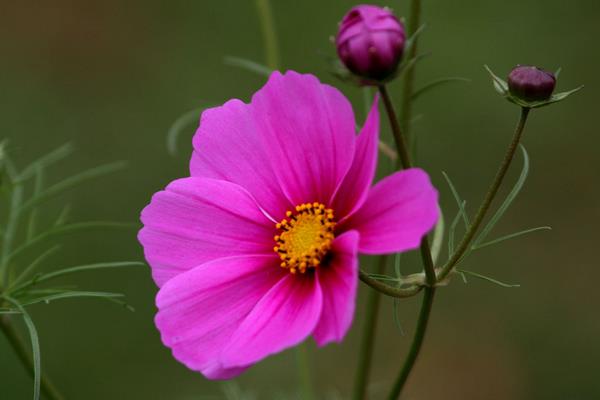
531 83
370 42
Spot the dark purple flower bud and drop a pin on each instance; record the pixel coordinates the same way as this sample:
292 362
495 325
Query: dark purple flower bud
531 83
370 41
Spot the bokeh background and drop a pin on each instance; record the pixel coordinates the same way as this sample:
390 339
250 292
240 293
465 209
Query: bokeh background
112 76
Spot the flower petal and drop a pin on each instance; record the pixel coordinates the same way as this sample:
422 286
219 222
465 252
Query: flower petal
354 188
200 309
309 135
399 210
338 280
195 220
284 317
228 146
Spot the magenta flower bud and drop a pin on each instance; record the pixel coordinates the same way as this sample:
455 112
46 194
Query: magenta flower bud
531 83
370 42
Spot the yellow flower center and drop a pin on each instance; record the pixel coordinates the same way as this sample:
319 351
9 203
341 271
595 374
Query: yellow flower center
304 237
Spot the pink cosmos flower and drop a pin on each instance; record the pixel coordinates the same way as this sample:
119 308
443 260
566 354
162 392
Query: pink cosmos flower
258 249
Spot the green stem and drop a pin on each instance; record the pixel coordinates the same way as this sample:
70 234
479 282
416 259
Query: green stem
402 149
18 344
446 269
399 139
303 363
267 25
407 93
428 265
368 337
417 343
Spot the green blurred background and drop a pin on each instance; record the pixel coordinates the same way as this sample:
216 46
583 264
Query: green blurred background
112 76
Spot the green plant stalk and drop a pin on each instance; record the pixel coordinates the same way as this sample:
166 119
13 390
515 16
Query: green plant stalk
380 287
402 149
417 343
409 80
267 25
18 344
426 256
368 337
447 268
303 363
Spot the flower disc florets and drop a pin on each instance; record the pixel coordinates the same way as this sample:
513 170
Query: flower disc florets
305 237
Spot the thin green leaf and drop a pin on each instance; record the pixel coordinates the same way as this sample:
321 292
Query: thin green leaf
383 277
63 216
462 275
459 202
2 151
511 236
563 95
46 160
436 83
452 231
555 98
59 230
396 317
10 231
499 84
232 391
35 346
182 122
248 65
416 119
397 270
507 202
411 63
73 294
411 40
438 238
30 294
557 73
487 278
2 173
37 189
9 311
80 268
74 181
31 267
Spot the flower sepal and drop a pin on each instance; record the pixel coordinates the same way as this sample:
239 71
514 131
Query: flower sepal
502 88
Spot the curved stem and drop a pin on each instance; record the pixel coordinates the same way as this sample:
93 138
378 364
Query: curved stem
368 339
489 197
388 290
417 342
18 344
267 25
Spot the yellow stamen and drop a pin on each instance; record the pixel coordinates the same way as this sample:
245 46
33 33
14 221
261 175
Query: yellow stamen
304 237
